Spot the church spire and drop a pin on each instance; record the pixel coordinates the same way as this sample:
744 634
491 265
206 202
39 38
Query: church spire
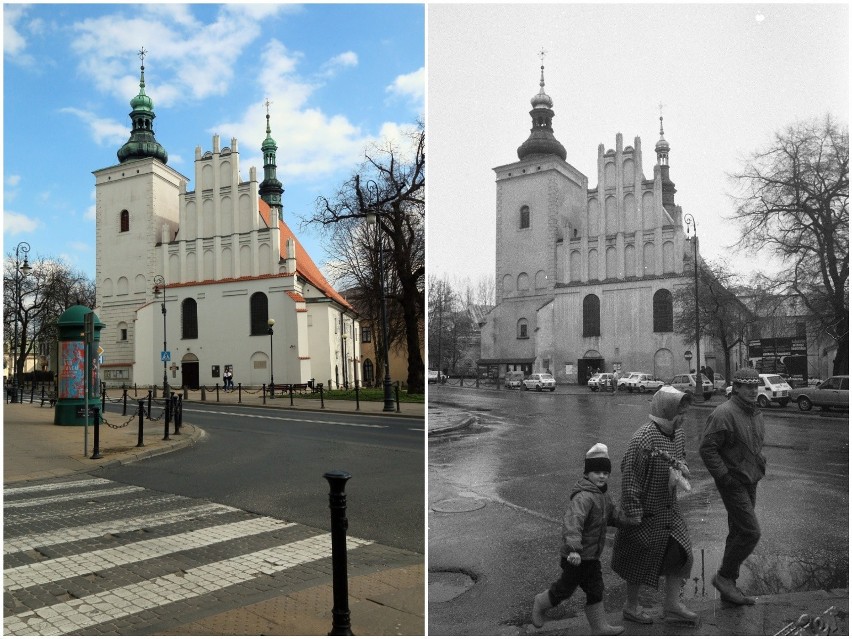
541 141
142 143
271 189
662 149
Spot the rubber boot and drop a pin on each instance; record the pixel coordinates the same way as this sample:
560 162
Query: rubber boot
541 604
729 592
598 622
673 609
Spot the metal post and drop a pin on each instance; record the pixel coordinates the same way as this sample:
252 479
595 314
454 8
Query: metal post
240 393
167 416
337 504
291 394
149 404
357 401
173 402
271 322
396 391
699 389
322 401
160 281
141 418
96 453
103 399
387 382
217 392
42 394
124 411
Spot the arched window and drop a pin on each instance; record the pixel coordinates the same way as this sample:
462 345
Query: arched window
259 309
591 316
522 328
125 221
189 319
663 315
525 217
368 372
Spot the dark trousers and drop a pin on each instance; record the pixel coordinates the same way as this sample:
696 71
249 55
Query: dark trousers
587 575
743 528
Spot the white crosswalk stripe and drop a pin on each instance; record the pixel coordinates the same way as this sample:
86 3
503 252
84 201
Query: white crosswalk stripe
65 618
63 535
88 578
86 563
109 492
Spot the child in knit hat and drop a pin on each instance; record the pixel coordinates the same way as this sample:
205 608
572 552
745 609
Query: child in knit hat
590 511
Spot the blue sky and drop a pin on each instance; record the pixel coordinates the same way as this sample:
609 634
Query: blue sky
338 77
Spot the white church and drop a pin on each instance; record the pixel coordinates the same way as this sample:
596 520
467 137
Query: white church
225 261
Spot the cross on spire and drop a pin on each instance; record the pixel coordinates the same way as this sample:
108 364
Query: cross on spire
142 53
267 104
661 119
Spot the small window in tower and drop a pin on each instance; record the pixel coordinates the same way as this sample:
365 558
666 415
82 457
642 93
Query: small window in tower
525 217
125 221
123 334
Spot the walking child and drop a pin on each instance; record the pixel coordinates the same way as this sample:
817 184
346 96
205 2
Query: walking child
589 512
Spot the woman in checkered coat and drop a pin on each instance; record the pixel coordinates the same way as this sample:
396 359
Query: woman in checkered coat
660 545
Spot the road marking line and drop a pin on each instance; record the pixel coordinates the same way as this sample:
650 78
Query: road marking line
91 494
63 535
286 419
89 562
78 614
55 486
18 518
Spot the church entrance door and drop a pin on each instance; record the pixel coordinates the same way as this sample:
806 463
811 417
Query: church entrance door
189 374
587 367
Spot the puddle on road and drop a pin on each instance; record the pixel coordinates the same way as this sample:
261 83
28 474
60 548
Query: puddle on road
458 505
446 585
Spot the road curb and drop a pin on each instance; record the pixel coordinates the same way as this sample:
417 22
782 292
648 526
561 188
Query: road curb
311 409
467 422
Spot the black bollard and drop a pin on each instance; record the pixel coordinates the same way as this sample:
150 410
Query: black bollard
32 391
240 393
217 392
264 394
173 403
357 401
337 503
135 390
179 414
42 394
124 411
322 401
141 418
396 392
166 406
96 453
103 399
149 404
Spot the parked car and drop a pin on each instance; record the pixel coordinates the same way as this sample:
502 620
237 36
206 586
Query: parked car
719 382
540 382
643 382
686 383
772 388
514 379
436 377
601 381
832 393
622 381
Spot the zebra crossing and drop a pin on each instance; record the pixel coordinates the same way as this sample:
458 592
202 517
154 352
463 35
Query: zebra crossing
97 558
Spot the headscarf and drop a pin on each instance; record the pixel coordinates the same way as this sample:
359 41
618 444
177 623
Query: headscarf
665 406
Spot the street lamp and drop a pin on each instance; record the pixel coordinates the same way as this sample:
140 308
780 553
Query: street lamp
345 359
21 270
271 322
160 283
690 222
372 220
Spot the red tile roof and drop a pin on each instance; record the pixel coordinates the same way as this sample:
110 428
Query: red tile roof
304 264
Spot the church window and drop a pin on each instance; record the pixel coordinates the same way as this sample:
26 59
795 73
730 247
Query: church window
591 316
366 334
522 329
123 334
259 309
525 217
663 313
125 221
189 319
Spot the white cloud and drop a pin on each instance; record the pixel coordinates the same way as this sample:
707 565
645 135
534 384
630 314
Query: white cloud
14 223
80 247
14 43
410 86
13 180
105 131
338 62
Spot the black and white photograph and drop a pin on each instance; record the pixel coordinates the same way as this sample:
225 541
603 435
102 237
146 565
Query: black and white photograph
638 319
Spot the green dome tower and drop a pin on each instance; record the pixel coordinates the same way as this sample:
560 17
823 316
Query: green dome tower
142 143
271 188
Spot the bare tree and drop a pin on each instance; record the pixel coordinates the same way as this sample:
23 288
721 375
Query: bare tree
33 303
391 183
793 198
722 316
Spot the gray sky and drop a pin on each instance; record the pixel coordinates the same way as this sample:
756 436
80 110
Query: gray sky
728 75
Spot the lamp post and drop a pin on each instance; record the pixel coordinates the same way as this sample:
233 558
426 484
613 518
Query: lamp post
271 322
345 359
372 220
690 222
160 283
21 271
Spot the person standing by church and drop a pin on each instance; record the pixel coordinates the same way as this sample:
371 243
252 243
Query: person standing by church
731 448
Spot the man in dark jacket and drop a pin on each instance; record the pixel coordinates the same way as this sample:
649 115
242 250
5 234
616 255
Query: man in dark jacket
731 449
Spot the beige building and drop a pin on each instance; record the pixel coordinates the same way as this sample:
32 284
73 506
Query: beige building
585 272
229 262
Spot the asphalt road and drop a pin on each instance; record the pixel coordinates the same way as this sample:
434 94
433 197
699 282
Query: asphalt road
497 493
272 461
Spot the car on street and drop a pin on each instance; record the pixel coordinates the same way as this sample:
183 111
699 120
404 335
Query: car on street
644 382
622 381
436 377
600 381
540 382
832 393
772 388
514 379
686 384
719 382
